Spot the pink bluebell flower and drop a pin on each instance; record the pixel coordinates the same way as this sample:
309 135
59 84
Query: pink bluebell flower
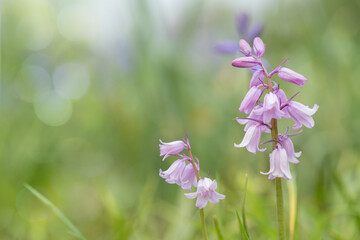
250 100
301 114
251 139
172 148
289 75
288 145
180 174
279 164
205 193
188 177
270 109
174 172
254 119
257 78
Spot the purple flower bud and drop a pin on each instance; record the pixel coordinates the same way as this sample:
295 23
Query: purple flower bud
245 62
259 47
289 75
227 47
250 99
257 78
245 47
205 193
288 145
279 164
301 114
171 148
251 139
270 109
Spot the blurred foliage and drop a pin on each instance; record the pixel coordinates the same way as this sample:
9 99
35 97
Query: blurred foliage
88 88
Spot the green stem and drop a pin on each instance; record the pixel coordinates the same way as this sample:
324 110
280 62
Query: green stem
279 197
203 227
280 209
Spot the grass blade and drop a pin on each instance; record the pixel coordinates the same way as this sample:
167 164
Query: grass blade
243 207
292 206
217 227
242 230
63 218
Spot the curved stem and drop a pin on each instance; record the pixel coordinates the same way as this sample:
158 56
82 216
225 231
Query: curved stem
202 216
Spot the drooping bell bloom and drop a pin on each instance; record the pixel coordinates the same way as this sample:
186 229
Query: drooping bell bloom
271 108
257 78
244 62
279 164
174 172
250 100
171 148
259 47
301 114
288 145
205 193
188 177
289 75
251 139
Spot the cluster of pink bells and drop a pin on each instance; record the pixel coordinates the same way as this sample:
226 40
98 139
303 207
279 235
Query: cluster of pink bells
275 105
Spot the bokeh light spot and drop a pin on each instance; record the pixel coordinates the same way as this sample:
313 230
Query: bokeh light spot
36 30
75 22
53 109
32 80
71 80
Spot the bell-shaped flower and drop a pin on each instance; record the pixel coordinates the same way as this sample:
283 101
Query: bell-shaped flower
271 108
245 47
259 47
257 78
245 62
171 148
252 120
279 164
205 193
289 75
174 172
250 100
251 139
288 145
301 114
188 177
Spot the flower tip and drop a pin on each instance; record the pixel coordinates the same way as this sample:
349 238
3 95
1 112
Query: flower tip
245 47
259 47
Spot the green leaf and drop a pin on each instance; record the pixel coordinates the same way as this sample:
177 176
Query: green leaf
73 230
217 227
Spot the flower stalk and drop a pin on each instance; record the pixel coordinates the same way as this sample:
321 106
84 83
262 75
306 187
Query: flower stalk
278 185
264 115
202 215
185 173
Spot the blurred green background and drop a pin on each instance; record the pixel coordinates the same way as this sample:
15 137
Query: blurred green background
89 87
